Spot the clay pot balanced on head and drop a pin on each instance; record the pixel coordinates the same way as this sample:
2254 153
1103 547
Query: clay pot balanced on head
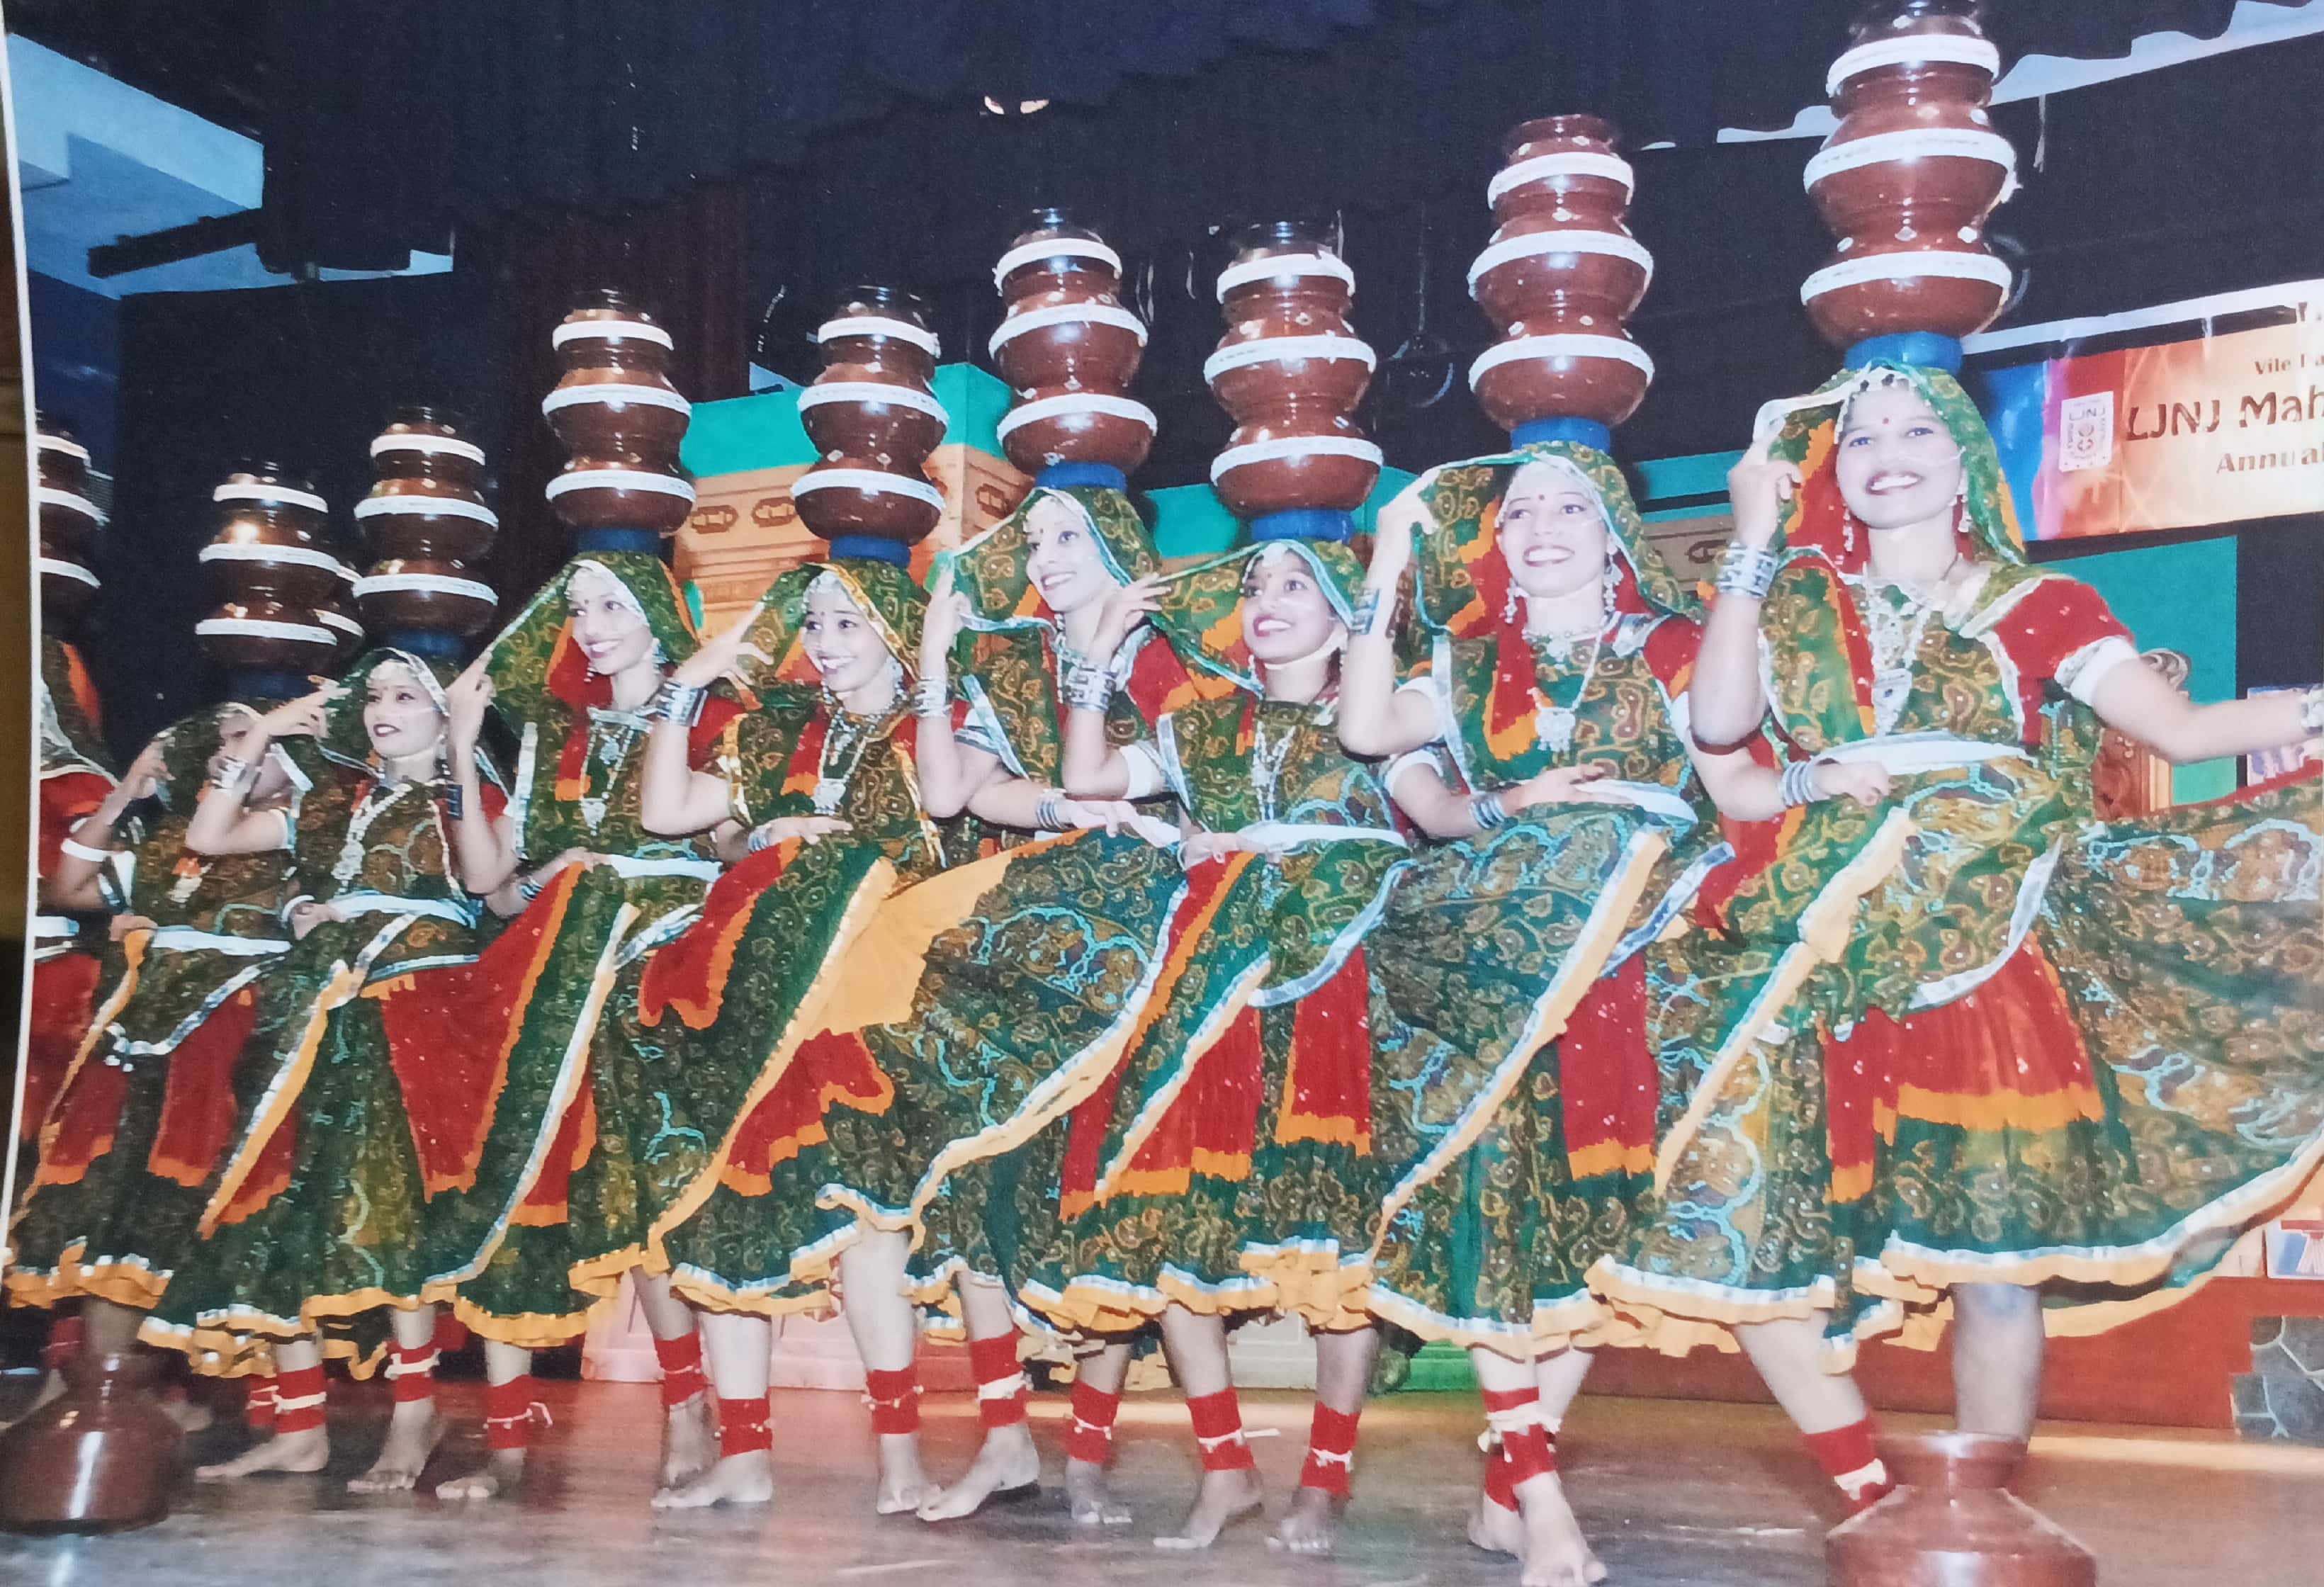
1290 371
424 519
68 524
1908 179
620 419
1069 349
271 564
1560 278
874 421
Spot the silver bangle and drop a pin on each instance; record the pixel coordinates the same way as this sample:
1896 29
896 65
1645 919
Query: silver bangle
528 886
679 702
1089 689
1488 811
2311 711
230 773
81 851
760 839
1746 570
1799 784
932 696
1049 814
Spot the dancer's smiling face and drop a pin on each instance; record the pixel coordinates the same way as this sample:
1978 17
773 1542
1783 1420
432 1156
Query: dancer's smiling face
1896 463
1065 561
606 622
400 713
1551 530
1286 614
841 643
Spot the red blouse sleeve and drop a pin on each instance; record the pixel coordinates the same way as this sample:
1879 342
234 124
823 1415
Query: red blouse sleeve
66 801
1670 653
702 738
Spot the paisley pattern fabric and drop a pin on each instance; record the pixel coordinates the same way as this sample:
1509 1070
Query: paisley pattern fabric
1977 988
145 1108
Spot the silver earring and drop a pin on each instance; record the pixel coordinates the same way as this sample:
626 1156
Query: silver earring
1608 582
1509 602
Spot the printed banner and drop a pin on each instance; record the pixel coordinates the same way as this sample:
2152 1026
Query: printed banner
2189 431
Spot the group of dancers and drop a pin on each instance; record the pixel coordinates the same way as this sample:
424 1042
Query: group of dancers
1498 938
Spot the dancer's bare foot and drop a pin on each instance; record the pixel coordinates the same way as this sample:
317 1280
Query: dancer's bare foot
1495 1530
1005 1462
308 1450
689 1442
413 1432
735 1478
190 1414
501 1475
1225 1498
903 1484
1556 1554
1090 1498
1310 1524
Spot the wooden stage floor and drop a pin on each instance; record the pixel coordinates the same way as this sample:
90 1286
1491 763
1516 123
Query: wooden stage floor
1670 1492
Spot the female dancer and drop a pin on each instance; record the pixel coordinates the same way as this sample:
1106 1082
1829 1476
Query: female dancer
1232 1148
145 1110
1576 828
572 677
816 794
2053 1061
1063 951
359 1128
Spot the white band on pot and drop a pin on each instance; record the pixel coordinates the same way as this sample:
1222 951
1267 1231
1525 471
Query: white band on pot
1281 447
879 325
1573 163
1073 405
564 397
1327 350
1282 266
1933 143
264 628
872 480
64 570
1910 266
414 504
1915 48
618 479
260 552
1055 248
48 495
271 495
1535 244
434 584
609 330
869 392
339 620
1561 344
49 443
416 440
1017 324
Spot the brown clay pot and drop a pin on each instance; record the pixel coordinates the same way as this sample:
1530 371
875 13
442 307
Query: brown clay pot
1559 278
619 493
615 395
1907 181
100 1457
336 612
862 411
842 499
883 327
1289 371
1065 327
429 443
67 588
424 593
68 519
1952 1522
429 502
249 561
874 421
264 635
274 499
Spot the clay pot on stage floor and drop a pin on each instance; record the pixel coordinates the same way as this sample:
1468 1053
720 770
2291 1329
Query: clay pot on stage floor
100 1457
1952 1522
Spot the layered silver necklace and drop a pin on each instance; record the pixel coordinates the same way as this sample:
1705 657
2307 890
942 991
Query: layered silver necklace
613 735
1267 760
847 738
1553 725
374 803
1894 634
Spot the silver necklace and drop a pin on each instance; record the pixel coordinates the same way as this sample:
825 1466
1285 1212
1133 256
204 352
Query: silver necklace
1895 636
1267 765
834 763
1553 725
611 735
374 803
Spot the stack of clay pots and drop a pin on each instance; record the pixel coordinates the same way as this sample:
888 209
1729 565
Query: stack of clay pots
272 565
1290 371
1559 278
1907 178
68 524
427 522
1068 350
875 423
620 419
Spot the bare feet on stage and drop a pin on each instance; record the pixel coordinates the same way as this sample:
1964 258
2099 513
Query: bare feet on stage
413 1432
308 1450
1007 1466
191 1415
501 1474
1555 1552
1225 1498
1090 1498
737 1479
1494 1529
903 1484
1310 1524
689 1442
